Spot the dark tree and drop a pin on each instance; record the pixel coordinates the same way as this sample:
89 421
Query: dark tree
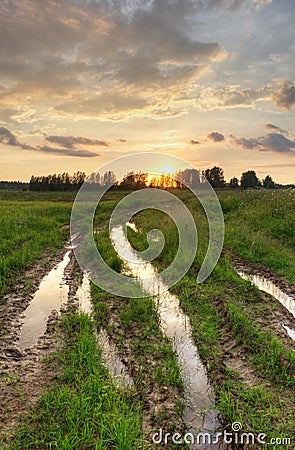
134 181
249 179
234 183
154 182
14 185
189 178
215 177
109 179
268 183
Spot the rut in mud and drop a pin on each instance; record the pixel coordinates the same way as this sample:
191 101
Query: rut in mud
25 373
112 361
33 335
278 288
199 413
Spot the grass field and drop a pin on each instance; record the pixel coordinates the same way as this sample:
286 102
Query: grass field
250 362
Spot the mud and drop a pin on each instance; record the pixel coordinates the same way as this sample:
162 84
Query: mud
51 294
249 268
29 321
276 293
200 414
26 373
111 359
160 410
24 377
18 297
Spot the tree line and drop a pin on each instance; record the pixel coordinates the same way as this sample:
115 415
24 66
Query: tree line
192 178
14 185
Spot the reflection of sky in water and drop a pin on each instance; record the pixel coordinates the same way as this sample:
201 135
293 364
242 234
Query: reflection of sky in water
52 293
199 412
264 284
109 352
83 295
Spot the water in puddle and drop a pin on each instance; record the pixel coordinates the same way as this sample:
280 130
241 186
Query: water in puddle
52 293
112 361
264 284
200 415
290 332
83 295
110 356
132 226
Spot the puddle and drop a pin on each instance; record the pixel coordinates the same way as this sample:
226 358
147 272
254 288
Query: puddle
290 332
83 296
264 284
132 226
200 414
110 356
52 293
112 361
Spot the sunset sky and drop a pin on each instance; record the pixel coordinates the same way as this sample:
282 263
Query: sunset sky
86 81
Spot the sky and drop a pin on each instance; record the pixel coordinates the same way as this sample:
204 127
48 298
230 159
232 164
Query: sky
83 82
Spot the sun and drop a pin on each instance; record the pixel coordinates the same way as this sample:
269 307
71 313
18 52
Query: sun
167 170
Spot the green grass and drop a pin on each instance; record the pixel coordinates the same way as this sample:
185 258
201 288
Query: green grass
32 224
260 227
228 309
84 409
27 230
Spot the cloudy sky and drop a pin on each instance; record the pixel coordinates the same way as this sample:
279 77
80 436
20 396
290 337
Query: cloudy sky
86 81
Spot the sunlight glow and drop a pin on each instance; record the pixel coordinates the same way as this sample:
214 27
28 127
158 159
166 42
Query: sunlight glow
167 170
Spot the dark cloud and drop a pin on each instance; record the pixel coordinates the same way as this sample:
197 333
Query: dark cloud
272 142
66 46
284 97
270 126
72 141
8 138
67 152
216 137
193 142
121 140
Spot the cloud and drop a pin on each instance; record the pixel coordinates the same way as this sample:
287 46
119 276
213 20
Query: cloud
68 51
270 126
193 142
8 138
234 4
72 142
284 96
216 137
211 98
122 141
67 152
107 104
272 142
